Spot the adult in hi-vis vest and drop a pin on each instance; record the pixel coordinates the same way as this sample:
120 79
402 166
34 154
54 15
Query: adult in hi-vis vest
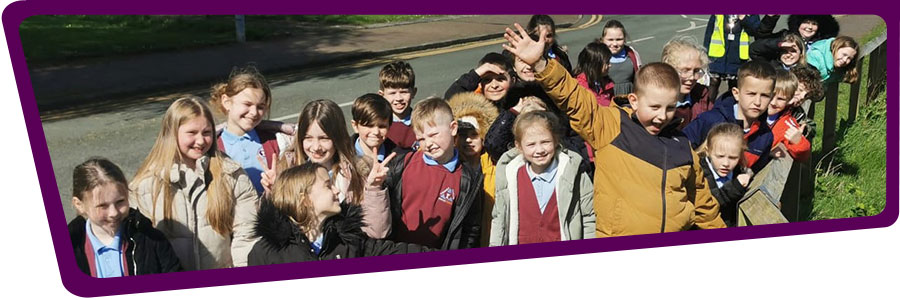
728 42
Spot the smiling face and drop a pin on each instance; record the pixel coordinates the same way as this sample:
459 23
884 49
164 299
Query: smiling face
689 68
537 146
194 139
725 154
523 70
245 110
436 139
371 136
753 97
614 39
790 55
844 56
105 206
317 146
495 86
654 107
324 196
399 99
808 29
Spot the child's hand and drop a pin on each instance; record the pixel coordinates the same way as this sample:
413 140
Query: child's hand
288 128
267 180
794 134
488 67
379 169
523 47
744 179
778 152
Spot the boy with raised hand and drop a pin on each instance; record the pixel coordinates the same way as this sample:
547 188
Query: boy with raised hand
435 198
648 180
746 106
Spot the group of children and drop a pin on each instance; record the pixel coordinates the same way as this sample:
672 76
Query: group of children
522 149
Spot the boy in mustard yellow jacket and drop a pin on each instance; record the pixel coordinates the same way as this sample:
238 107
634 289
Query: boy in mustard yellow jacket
647 178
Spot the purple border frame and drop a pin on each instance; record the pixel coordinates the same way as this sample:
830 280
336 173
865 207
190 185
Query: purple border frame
82 285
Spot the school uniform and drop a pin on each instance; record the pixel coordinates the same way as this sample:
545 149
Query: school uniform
247 150
781 123
401 132
758 136
726 189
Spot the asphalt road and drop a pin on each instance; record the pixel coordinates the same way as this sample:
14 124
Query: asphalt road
125 134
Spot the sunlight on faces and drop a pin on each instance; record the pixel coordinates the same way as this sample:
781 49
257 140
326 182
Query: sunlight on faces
778 103
753 96
324 195
495 86
725 154
436 138
525 72
689 67
614 39
371 136
194 139
808 29
538 147
245 110
399 98
105 206
844 56
790 55
654 107
470 143
799 95
317 146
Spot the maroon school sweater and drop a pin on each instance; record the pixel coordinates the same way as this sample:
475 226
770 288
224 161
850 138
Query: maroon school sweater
428 196
534 226
402 135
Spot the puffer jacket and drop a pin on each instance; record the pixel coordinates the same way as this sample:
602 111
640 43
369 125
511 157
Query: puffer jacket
282 241
574 196
643 183
759 138
196 243
146 249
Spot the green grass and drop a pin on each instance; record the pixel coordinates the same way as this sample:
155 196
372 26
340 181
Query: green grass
851 181
49 39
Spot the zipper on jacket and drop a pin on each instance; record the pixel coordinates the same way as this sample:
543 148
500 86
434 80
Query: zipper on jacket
662 228
133 262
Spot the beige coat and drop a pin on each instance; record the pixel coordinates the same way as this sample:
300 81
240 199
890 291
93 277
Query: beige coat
196 244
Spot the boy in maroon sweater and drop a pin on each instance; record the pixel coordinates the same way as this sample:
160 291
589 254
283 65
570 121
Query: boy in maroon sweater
398 86
435 198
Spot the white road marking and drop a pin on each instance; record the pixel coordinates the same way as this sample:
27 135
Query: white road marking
294 116
693 26
701 19
684 16
641 40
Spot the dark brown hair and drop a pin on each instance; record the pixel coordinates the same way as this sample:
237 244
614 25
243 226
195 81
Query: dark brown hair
94 172
397 75
371 110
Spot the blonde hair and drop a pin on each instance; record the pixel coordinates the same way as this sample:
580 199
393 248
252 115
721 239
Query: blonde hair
786 83
797 40
290 194
851 74
476 106
240 79
545 119
721 131
165 153
428 111
674 50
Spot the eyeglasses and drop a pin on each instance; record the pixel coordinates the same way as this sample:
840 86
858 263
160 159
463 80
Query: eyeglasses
696 73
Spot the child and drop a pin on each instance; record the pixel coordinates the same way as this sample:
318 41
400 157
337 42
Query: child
435 199
690 60
474 114
835 58
810 28
245 99
371 119
491 78
746 106
541 194
322 138
723 166
109 238
554 50
201 200
592 71
625 61
809 85
647 178
790 51
304 221
728 40
786 129
397 84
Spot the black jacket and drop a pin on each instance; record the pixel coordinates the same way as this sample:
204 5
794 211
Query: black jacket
147 251
281 241
464 230
765 47
728 195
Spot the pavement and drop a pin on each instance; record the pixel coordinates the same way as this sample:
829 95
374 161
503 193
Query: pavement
107 79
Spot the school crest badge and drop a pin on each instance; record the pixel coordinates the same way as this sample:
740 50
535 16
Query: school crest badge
447 196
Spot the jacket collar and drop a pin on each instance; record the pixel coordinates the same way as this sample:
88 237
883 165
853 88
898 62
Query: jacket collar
279 231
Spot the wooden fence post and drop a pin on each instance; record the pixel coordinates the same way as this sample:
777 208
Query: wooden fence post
854 96
831 106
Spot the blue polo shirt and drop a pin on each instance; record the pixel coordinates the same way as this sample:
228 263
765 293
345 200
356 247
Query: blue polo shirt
108 258
544 183
450 165
359 150
406 121
244 150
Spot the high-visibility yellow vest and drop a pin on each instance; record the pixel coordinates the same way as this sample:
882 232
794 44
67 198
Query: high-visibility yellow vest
717 41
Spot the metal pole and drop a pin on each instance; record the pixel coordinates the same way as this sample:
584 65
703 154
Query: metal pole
239 28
